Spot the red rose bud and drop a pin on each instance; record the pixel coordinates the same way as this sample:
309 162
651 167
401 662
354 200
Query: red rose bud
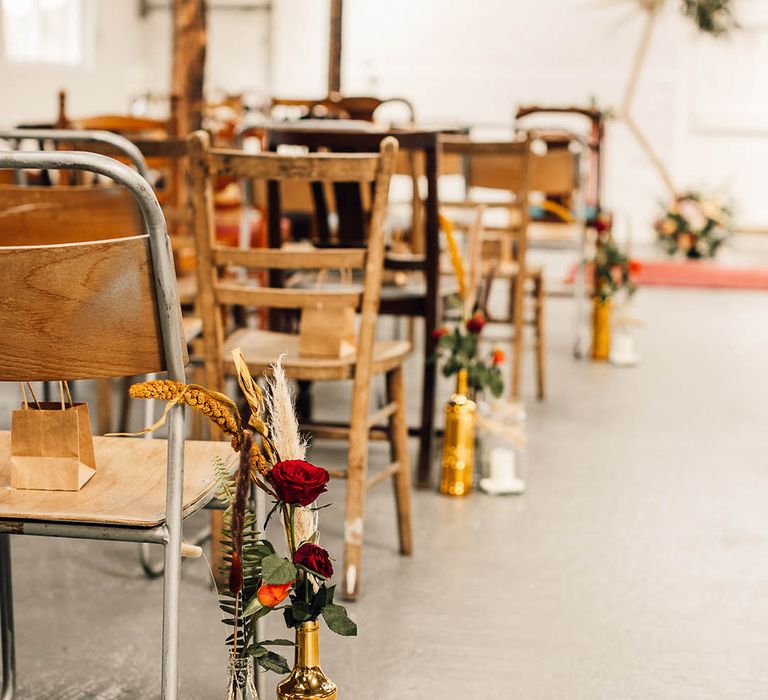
298 482
635 266
498 356
439 333
272 594
476 322
314 558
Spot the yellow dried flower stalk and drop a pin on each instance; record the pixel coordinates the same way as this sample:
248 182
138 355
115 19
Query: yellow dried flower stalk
259 461
446 226
198 399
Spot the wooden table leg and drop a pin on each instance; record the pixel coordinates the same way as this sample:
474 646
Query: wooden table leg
431 316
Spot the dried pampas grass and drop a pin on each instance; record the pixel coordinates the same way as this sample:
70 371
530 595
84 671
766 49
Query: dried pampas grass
289 443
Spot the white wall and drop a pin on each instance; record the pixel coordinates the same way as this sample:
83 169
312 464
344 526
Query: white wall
477 60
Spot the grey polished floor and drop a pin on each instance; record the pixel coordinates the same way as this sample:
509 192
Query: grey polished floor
635 566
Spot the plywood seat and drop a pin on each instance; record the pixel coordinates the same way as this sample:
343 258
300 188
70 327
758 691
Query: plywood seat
127 489
261 348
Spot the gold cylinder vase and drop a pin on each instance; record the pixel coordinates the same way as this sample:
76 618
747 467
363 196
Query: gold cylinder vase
458 459
601 328
307 679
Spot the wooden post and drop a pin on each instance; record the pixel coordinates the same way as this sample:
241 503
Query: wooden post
334 49
189 43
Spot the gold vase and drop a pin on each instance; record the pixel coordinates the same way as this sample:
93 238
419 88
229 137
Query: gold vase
458 460
601 328
307 679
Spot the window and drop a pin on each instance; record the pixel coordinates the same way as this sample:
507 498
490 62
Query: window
43 31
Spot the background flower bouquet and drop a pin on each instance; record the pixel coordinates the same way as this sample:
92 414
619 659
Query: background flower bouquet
694 226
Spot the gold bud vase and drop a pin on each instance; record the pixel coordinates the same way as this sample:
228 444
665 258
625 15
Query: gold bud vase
601 328
458 459
307 679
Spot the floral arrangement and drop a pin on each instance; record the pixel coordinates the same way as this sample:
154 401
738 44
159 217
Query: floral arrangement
271 456
612 269
715 17
694 226
459 348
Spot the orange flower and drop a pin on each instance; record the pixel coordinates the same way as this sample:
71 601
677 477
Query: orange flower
498 356
272 594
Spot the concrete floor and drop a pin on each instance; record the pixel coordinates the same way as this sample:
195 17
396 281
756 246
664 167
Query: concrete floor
635 566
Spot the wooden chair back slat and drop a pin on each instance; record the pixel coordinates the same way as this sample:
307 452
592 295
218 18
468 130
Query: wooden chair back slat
50 215
313 167
555 172
270 259
495 165
78 311
274 298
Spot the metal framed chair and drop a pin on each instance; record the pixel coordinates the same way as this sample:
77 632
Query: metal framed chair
142 489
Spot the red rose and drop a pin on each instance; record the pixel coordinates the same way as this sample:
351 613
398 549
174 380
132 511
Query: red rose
439 333
476 322
314 558
635 266
298 482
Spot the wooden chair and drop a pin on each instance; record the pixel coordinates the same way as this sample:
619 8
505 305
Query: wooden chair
263 347
595 142
142 489
507 166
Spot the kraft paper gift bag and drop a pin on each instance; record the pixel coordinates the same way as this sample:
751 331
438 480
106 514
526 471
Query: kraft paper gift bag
51 445
327 332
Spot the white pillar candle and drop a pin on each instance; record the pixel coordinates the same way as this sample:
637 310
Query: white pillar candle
502 463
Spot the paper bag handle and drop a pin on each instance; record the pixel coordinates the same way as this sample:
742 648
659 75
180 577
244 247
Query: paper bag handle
63 389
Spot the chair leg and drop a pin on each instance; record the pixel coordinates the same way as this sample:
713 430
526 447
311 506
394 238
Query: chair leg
6 613
540 345
104 401
428 400
355 507
172 578
398 438
516 302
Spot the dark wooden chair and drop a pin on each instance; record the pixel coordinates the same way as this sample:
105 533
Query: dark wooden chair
417 300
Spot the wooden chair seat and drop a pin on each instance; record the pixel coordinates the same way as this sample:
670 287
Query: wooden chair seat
509 269
554 232
262 348
128 488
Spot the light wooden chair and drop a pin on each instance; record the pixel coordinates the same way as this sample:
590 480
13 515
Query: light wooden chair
505 166
31 214
263 347
142 489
